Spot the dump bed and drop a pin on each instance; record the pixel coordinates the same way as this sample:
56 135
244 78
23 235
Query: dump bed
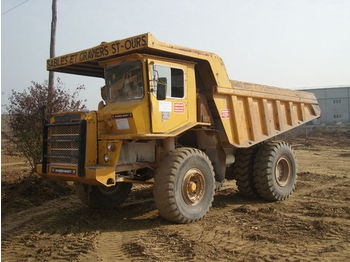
251 113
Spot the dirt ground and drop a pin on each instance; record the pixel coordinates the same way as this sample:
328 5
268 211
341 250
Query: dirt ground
44 221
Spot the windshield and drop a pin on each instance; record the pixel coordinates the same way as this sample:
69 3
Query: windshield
124 81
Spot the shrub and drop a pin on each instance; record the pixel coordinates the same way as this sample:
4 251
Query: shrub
27 111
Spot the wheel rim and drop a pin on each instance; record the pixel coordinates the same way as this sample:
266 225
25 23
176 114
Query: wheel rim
193 186
282 171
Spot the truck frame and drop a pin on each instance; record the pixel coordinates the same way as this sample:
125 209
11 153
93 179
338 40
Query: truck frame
170 116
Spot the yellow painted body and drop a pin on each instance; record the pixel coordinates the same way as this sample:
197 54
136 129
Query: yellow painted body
248 113
188 102
253 113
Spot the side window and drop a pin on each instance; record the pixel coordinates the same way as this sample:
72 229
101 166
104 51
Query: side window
175 80
177 83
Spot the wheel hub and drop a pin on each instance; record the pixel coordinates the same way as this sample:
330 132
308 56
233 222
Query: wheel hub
282 171
193 186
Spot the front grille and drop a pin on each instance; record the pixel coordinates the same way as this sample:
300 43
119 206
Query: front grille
64 144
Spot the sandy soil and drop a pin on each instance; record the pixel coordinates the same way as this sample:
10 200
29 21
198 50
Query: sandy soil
46 222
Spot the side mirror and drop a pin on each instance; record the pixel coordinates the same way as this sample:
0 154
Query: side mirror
101 105
103 93
161 88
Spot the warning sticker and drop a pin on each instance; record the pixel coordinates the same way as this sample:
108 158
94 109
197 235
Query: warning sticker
179 107
225 114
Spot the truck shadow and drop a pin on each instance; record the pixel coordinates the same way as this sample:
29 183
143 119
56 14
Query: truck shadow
132 216
228 197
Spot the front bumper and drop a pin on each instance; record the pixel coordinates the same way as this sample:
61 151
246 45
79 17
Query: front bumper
70 151
94 175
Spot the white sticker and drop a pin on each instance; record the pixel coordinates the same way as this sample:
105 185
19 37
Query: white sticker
164 106
122 123
165 115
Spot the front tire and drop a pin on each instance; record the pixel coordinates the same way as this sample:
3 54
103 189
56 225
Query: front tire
101 196
275 171
184 185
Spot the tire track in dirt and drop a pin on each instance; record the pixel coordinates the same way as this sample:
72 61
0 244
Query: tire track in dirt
321 222
108 247
282 231
63 229
13 221
268 224
12 164
323 205
46 233
117 239
161 244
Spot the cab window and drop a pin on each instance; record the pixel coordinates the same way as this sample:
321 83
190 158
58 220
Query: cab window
124 81
174 79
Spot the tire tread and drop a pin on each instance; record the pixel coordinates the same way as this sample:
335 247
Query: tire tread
263 170
243 171
165 184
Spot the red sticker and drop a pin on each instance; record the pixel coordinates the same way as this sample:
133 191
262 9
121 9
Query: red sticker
179 107
225 113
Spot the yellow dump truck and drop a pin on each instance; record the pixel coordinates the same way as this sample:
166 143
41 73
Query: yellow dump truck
170 116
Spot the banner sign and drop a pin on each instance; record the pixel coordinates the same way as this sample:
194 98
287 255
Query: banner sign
101 51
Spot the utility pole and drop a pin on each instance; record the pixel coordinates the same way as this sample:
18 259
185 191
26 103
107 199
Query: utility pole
52 47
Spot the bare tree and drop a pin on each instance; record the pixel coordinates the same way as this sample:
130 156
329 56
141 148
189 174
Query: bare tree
52 46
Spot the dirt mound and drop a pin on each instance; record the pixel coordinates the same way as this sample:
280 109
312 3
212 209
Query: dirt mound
30 191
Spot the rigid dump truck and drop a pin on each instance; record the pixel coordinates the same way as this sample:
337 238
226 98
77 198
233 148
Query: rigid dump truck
171 117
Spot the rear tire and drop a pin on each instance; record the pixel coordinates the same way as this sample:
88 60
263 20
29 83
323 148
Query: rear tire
103 197
184 185
243 171
275 171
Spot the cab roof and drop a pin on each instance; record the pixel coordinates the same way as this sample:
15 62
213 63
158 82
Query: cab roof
88 62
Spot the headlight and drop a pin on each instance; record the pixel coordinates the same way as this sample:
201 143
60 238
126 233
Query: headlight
111 147
106 158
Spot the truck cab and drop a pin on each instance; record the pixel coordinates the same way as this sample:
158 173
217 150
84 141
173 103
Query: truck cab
147 95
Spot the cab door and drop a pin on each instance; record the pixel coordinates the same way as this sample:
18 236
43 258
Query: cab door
172 112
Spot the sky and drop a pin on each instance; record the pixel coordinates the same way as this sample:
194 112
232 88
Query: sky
293 44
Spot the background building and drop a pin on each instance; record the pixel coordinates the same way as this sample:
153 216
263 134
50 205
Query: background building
334 103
